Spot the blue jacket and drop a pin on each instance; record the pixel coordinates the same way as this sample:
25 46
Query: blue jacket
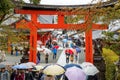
54 50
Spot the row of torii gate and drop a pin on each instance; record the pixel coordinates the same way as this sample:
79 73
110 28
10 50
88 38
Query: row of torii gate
33 25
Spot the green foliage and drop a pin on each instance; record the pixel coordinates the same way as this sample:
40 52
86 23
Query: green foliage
8 34
5 6
104 14
111 43
73 18
110 58
11 35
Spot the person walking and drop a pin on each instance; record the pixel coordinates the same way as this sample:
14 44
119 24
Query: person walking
20 75
38 56
48 77
78 51
40 74
67 55
46 58
3 56
13 74
29 75
16 50
4 74
11 50
54 50
72 58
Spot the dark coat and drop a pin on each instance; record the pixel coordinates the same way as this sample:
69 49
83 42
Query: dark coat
13 74
29 76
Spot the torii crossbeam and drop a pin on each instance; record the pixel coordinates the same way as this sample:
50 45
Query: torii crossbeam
33 25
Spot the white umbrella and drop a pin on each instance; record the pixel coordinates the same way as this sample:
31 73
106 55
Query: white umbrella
55 40
21 66
38 68
53 69
31 63
39 49
75 73
46 50
89 68
76 36
27 65
39 42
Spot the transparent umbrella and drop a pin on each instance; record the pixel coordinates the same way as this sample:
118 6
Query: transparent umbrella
75 73
37 68
31 63
89 68
46 50
21 66
2 66
53 69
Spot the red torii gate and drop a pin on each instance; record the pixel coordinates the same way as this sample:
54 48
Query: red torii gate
33 25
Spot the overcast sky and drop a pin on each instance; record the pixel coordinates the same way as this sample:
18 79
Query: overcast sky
66 2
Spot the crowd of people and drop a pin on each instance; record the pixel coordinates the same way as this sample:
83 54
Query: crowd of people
72 51
72 46
39 74
21 74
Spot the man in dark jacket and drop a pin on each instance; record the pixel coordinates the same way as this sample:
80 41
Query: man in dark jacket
13 74
29 75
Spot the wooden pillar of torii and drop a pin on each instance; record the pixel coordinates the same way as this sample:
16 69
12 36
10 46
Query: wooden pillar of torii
33 25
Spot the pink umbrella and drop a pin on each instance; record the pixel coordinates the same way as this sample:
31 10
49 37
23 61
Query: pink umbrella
75 73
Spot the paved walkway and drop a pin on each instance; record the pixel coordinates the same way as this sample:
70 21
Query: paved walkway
13 58
61 59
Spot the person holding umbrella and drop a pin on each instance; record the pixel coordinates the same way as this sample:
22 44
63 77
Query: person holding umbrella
4 74
47 52
64 41
29 75
38 56
48 77
78 50
71 52
46 58
13 74
72 58
20 75
54 50
67 55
